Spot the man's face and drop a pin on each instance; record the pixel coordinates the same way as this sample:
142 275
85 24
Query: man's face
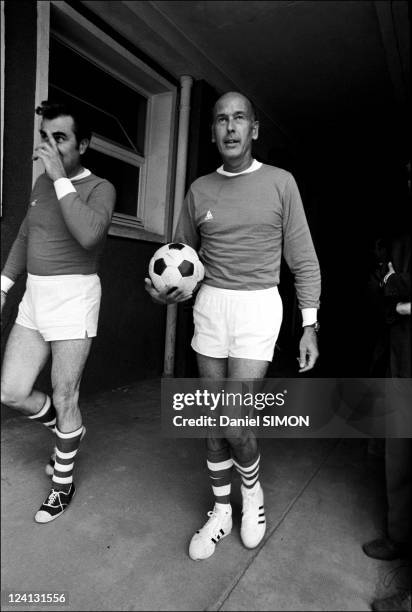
70 151
234 128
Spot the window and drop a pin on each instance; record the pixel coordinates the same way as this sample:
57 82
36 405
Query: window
117 115
131 112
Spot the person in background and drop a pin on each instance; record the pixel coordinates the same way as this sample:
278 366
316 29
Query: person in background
396 543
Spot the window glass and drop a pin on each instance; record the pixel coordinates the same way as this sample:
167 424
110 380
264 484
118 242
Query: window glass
115 110
124 176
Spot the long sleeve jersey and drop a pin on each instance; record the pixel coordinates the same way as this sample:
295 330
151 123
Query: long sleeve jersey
241 224
62 236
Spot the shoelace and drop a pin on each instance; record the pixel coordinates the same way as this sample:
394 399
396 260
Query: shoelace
52 496
212 514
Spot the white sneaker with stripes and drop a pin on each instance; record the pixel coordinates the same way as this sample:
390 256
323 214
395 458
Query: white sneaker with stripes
253 525
219 525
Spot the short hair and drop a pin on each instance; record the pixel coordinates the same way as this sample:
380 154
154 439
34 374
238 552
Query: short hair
254 111
51 110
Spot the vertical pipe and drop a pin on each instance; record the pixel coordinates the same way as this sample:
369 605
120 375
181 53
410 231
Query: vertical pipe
181 164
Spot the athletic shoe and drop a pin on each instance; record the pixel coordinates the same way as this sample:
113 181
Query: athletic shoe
49 467
253 516
218 526
400 602
55 504
385 549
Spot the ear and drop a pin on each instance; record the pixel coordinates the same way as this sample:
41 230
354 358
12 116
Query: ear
255 130
213 134
83 145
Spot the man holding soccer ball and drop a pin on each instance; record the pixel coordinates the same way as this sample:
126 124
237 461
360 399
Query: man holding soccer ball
241 219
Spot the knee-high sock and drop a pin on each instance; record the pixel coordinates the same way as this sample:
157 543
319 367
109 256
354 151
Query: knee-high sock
219 464
46 415
67 445
249 472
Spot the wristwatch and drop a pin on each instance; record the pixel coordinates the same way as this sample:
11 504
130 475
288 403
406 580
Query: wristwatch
315 326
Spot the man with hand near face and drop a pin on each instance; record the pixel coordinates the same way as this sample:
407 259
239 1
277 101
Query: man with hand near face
59 246
241 219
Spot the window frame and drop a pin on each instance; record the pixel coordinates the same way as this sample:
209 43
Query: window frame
155 181
107 147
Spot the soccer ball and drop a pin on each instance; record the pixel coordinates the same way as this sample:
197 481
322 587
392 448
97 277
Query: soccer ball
175 265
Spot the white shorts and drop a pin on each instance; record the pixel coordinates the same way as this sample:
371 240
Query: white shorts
64 307
243 324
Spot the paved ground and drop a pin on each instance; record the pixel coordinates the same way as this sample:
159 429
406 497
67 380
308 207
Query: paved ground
123 543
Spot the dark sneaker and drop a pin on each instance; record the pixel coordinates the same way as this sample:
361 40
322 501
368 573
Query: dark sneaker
384 549
55 504
400 602
49 467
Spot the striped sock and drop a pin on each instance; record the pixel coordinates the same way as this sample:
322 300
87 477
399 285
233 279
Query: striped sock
46 415
249 471
219 464
67 445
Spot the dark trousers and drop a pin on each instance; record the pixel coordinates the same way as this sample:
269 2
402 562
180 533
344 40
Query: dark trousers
398 461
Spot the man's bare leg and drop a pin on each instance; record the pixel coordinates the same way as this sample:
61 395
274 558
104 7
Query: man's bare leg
215 369
211 367
25 356
219 463
245 445
68 360
246 459
245 450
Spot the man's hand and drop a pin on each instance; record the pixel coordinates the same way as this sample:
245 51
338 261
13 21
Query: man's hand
386 273
50 156
167 296
391 269
403 308
308 349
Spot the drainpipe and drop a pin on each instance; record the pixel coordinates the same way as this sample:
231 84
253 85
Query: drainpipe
181 164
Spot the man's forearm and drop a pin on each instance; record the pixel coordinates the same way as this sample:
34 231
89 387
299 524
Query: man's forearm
87 225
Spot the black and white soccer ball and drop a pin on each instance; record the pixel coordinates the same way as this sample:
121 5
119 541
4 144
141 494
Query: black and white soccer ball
176 265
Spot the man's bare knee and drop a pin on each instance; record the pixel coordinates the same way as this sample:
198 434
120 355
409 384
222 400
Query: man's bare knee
236 436
13 398
65 398
216 444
